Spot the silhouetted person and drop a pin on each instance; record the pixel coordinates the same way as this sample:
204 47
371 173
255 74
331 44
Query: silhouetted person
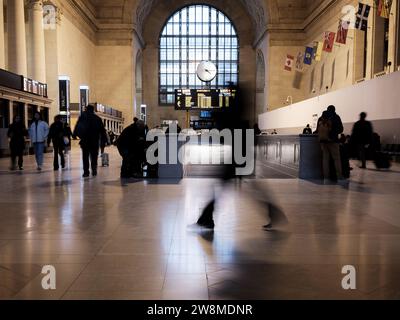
90 130
330 126
17 133
307 130
362 138
257 130
38 133
56 136
131 146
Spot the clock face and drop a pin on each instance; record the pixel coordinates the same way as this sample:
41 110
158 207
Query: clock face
206 71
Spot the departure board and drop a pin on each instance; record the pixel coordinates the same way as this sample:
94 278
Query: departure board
204 99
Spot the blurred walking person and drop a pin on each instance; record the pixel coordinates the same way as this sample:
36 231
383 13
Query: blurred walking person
90 130
17 133
38 133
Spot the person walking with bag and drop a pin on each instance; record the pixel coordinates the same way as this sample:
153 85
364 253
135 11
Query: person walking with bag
56 136
17 133
38 133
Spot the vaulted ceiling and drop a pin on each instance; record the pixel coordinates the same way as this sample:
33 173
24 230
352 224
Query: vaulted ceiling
262 12
112 21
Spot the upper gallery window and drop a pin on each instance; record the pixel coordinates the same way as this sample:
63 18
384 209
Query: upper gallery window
194 34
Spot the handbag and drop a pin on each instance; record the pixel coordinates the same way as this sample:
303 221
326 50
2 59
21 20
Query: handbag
66 141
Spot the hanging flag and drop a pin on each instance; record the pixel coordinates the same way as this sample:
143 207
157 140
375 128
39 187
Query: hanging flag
289 62
384 8
317 50
343 30
329 40
300 61
308 56
362 16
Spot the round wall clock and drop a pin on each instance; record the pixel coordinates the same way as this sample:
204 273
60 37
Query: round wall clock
206 71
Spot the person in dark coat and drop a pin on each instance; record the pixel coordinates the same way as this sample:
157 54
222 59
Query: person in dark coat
17 133
329 128
90 130
131 146
362 138
56 136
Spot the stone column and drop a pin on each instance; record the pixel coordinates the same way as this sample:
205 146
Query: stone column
11 111
17 62
37 68
26 114
2 43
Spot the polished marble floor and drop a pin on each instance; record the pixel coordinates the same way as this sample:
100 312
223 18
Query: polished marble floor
113 239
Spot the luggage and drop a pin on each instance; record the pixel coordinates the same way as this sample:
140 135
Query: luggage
105 160
382 160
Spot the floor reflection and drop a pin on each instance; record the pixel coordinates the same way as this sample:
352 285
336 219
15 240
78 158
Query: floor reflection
116 239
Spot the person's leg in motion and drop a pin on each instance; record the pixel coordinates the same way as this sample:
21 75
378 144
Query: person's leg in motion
94 157
41 154
362 155
85 161
35 150
62 157
335 153
21 159
13 159
39 150
56 153
206 219
325 161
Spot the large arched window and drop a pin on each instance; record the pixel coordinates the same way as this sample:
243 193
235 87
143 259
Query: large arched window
193 34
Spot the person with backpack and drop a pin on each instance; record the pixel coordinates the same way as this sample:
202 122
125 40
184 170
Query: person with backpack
38 133
90 130
329 128
362 138
17 133
56 136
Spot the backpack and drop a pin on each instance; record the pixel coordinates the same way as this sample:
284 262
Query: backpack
324 130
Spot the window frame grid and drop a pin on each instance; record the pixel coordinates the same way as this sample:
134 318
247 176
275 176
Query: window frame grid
228 68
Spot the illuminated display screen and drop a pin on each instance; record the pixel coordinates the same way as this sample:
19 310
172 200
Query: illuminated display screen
187 99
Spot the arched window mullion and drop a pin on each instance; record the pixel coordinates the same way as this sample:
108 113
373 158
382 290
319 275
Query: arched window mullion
193 34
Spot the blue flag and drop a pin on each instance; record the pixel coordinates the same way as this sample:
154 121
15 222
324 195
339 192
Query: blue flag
308 56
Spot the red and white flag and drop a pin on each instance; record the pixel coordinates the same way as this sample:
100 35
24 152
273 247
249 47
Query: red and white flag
343 30
289 62
329 40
